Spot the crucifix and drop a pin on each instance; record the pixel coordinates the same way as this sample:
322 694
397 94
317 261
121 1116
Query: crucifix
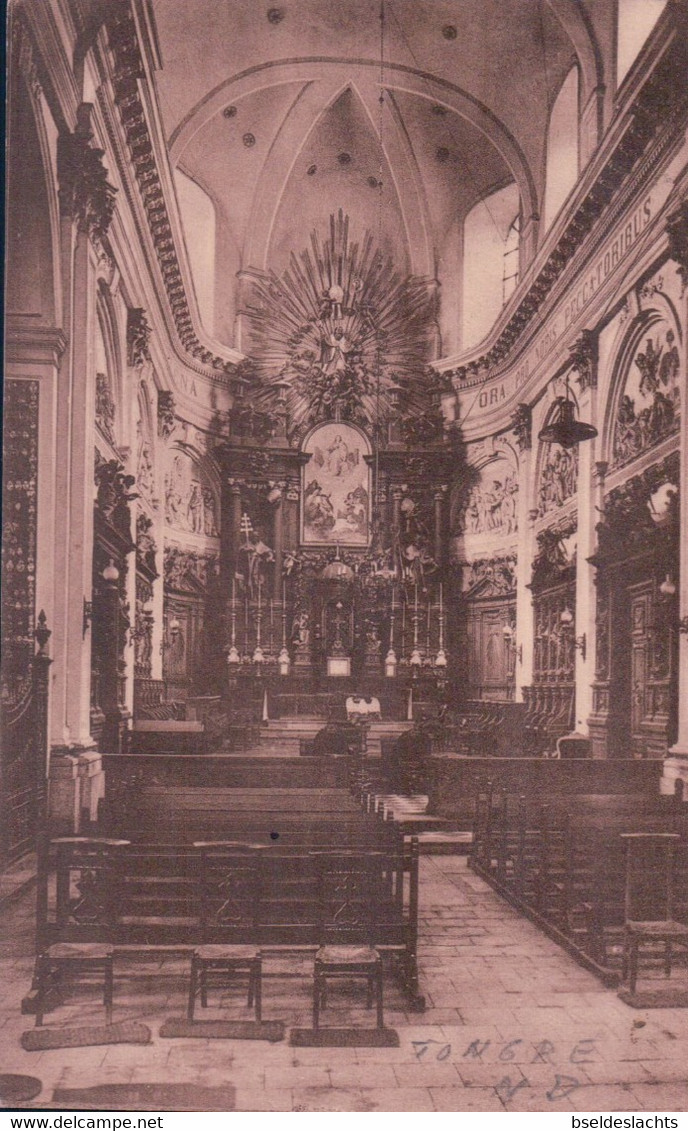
246 527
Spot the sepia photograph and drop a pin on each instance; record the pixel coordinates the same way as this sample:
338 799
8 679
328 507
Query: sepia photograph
344 684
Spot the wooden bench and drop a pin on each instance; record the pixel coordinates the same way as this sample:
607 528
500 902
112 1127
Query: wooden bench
144 896
167 736
563 864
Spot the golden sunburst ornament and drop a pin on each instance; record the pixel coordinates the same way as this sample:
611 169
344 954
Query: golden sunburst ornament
341 334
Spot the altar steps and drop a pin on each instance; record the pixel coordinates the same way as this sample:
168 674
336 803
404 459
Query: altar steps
283 736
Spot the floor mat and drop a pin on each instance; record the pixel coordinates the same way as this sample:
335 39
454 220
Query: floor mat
147 1097
16 1089
664 998
345 1038
128 1033
232 1030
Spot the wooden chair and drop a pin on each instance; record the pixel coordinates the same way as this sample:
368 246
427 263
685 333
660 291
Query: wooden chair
74 959
649 910
231 891
351 887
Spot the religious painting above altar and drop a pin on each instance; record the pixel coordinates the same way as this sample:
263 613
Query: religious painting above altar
336 487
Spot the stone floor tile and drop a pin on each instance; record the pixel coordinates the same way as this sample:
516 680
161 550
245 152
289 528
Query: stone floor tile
465 1099
398 1099
363 1076
607 1097
269 1100
661 1097
330 1099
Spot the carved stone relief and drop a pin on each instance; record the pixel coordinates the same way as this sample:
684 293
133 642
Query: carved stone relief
190 503
649 405
105 407
145 473
20 488
498 574
188 571
493 502
558 478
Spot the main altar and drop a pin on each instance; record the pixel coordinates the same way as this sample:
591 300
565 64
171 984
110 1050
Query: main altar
336 479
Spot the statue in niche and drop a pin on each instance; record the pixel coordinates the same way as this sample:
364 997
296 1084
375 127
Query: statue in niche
558 478
209 513
105 407
194 508
255 556
334 351
301 631
416 563
144 467
173 497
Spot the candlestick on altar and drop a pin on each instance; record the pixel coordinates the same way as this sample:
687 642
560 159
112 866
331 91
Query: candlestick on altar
391 657
283 660
258 656
271 644
441 658
233 656
427 632
416 659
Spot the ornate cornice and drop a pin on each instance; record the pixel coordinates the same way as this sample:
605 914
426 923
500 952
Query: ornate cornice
128 70
29 344
658 102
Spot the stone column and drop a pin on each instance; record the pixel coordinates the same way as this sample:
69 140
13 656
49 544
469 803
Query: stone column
676 765
523 664
439 547
586 592
231 532
86 203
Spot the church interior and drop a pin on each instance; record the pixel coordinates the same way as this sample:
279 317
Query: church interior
345 555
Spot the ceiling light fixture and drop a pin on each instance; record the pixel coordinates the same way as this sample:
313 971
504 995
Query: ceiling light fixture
275 15
249 140
449 31
563 428
229 112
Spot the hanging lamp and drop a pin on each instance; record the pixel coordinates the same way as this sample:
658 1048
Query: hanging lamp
564 429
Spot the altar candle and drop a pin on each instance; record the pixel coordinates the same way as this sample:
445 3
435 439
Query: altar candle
440 599
392 598
233 592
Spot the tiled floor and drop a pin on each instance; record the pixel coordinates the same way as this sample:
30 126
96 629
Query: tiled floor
512 1023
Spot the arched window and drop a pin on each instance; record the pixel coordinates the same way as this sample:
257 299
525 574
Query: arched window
487 235
635 21
511 259
562 148
198 217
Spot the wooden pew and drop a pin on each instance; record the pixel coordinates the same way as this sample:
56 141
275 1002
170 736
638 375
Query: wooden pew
150 896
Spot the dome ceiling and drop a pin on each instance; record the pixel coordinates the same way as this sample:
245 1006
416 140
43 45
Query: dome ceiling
274 112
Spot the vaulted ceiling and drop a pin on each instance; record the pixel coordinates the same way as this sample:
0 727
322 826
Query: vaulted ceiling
275 113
